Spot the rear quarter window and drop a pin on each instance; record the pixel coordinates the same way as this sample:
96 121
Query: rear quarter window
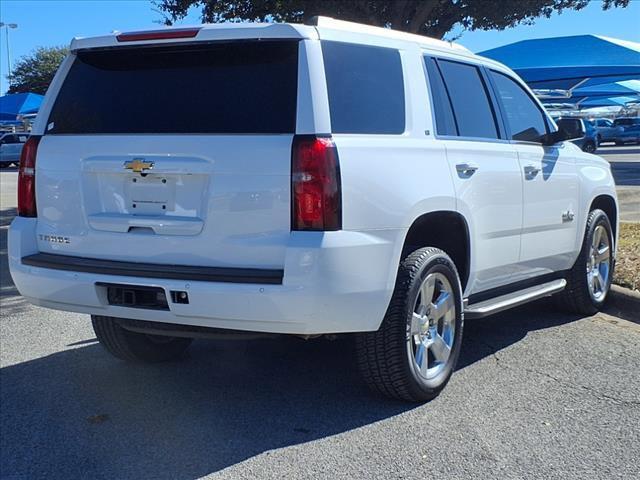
365 87
221 88
445 121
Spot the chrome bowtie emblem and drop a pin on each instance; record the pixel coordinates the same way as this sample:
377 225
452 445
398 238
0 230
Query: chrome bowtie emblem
138 165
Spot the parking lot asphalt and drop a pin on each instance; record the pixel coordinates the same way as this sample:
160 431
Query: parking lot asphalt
537 394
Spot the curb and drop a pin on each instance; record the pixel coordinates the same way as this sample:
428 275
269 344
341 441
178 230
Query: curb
626 301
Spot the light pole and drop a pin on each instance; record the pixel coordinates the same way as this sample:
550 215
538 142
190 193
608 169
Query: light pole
8 26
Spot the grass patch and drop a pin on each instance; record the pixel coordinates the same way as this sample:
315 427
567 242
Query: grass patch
627 273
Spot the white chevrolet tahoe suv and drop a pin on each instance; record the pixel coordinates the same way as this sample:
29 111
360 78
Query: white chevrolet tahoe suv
303 179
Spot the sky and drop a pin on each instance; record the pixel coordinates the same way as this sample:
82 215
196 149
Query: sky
51 22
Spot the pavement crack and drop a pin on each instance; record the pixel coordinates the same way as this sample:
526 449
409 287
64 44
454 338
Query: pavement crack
592 391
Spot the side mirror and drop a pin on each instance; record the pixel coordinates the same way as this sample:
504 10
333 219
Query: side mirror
568 129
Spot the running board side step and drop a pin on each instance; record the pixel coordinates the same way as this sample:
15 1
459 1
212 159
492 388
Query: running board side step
514 299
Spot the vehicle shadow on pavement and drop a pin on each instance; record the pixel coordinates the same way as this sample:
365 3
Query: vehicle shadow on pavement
80 413
486 336
83 414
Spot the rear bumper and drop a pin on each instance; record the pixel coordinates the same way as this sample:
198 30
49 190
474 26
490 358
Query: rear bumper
154 270
333 282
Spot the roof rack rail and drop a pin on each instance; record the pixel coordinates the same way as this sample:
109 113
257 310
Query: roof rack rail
330 22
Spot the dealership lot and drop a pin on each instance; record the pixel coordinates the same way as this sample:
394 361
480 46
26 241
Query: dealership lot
537 394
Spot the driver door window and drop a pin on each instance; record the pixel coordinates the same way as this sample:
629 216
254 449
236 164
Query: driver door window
525 120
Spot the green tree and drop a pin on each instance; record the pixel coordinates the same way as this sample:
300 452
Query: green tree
34 72
434 18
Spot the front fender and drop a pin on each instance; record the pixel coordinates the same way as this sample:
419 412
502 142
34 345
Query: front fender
596 180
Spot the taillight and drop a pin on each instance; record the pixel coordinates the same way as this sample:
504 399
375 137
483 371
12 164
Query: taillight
158 34
27 178
315 184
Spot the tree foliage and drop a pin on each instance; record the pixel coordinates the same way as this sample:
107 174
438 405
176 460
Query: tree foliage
34 72
427 17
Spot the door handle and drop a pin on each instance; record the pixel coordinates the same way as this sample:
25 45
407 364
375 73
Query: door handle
530 171
466 169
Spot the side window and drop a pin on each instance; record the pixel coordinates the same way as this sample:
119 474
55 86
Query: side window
523 116
365 87
468 94
445 121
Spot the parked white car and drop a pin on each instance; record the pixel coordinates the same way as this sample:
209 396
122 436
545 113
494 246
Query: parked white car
11 148
306 180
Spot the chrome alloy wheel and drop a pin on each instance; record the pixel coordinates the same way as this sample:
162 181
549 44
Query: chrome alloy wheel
599 264
433 324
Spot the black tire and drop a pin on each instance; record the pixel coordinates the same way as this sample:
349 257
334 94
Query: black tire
136 347
589 147
576 297
385 358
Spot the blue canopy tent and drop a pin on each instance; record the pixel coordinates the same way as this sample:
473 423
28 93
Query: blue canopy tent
568 62
617 89
576 70
609 101
593 103
18 104
609 94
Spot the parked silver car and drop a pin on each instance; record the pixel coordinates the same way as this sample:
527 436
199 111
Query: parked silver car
11 147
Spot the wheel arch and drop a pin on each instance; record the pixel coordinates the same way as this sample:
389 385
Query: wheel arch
444 229
607 204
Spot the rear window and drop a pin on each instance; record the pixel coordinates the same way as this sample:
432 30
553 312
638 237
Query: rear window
365 87
226 88
7 139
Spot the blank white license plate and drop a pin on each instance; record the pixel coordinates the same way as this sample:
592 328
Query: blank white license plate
150 195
